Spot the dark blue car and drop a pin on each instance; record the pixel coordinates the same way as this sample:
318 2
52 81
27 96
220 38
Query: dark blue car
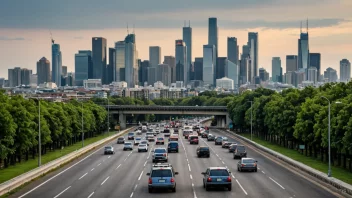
217 177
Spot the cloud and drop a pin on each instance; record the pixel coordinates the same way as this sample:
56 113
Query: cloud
5 38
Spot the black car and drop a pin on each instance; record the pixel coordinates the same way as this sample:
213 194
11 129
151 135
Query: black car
172 146
166 132
240 152
232 148
109 150
218 141
203 151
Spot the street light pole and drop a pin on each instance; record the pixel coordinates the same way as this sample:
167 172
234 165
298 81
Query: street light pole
108 117
251 119
329 149
82 128
39 139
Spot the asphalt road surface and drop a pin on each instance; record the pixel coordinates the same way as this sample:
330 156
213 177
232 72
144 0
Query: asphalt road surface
124 175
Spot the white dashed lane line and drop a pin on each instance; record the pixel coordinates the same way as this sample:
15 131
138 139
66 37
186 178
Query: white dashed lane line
109 157
105 180
91 194
263 172
145 163
99 164
92 169
139 178
117 167
190 176
62 192
189 168
131 194
82 176
276 183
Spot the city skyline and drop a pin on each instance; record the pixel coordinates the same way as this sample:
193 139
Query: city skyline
275 40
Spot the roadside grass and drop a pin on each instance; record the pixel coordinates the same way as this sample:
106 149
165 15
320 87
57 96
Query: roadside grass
337 172
25 166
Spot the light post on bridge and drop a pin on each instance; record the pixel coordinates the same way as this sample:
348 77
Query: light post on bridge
82 127
39 139
251 119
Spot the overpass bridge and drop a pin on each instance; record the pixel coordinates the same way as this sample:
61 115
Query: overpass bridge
220 112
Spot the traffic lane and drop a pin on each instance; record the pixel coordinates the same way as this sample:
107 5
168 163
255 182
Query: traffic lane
254 183
93 178
183 179
122 181
296 185
199 165
65 175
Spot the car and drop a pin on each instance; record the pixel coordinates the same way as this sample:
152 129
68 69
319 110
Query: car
137 140
240 152
144 142
205 134
172 146
223 143
150 130
211 137
160 140
130 136
227 144
217 177
166 132
160 154
225 139
109 150
173 137
139 132
127 146
194 139
232 148
162 176
150 138
203 151
218 140
120 140
142 147
176 131
187 132
249 164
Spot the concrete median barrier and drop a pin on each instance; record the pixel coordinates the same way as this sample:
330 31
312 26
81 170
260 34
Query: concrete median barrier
340 185
20 180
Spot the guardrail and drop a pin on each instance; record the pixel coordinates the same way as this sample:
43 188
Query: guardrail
18 181
338 184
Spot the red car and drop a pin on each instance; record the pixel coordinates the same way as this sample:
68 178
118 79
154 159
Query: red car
193 139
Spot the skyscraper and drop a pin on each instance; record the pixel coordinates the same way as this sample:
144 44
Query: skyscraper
131 61
303 50
232 72
345 70
164 74
181 61
151 75
330 74
143 72
110 70
64 70
43 71
83 61
312 74
263 74
314 61
245 57
56 63
276 69
198 68
187 38
154 56
220 67
232 50
213 34
253 44
171 61
26 76
120 60
209 62
99 57
291 63
14 77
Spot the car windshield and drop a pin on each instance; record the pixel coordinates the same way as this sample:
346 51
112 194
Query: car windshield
192 138
248 161
130 133
224 138
173 144
141 145
219 172
160 138
204 148
128 143
233 146
160 151
161 173
240 148
138 138
108 148
121 138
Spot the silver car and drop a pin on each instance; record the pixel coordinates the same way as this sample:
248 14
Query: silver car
128 146
142 147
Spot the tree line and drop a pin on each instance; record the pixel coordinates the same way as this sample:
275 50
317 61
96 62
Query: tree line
60 123
300 117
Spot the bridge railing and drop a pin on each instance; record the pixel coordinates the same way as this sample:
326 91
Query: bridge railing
167 108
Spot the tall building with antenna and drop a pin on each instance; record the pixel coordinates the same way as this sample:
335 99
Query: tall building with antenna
187 38
56 60
303 49
131 60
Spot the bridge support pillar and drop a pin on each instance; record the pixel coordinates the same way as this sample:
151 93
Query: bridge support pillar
122 121
223 122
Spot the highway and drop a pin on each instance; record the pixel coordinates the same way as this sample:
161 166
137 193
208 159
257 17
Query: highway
124 175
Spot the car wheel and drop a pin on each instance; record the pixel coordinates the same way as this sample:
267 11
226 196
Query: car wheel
255 170
150 190
203 185
207 188
238 169
174 189
229 187
208 156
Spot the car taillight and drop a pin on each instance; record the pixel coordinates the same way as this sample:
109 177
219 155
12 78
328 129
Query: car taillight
255 164
209 179
150 181
242 165
229 179
172 180
164 154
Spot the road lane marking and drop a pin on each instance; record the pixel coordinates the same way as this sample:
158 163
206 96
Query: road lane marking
131 194
125 159
82 176
129 154
276 183
263 172
192 184
139 178
117 167
145 163
189 168
104 181
232 176
109 157
190 176
135 187
92 169
194 194
91 194
217 155
223 162
241 187
62 192
99 164
258 168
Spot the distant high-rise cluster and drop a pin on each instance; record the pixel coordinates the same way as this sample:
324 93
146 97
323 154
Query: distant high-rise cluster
240 66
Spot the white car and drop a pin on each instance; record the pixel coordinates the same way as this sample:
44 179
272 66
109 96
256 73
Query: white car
142 147
139 132
137 140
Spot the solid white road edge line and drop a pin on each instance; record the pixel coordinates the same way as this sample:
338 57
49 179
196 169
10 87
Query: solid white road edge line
62 192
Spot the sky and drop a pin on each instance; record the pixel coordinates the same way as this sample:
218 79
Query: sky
25 27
